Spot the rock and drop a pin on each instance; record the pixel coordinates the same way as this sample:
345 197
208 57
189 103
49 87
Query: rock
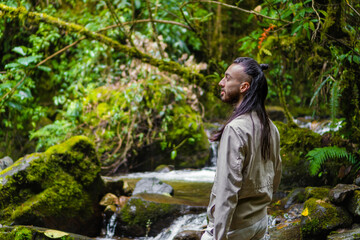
5 162
58 189
316 192
295 196
276 113
357 181
341 191
290 232
164 168
109 199
347 234
188 235
295 142
138 215
115 186
31 232
354 204
152 185
320 217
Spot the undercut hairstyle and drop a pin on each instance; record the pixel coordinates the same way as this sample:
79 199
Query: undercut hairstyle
254 100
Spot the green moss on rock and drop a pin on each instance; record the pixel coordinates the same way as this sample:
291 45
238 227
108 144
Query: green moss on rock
322 218
316 192
52 189
138 211
295 143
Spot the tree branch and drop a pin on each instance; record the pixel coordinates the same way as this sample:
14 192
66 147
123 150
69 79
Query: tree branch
237 8
169 66
148 20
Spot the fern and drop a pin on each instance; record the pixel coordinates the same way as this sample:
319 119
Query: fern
318 156
334 101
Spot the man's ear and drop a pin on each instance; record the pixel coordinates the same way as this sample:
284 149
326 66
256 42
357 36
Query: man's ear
244 87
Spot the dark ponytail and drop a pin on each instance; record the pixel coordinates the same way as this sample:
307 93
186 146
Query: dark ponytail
254 100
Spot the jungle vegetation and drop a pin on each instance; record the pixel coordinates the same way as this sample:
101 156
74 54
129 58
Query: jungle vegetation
140 75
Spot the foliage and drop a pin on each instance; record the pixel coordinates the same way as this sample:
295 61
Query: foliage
318 156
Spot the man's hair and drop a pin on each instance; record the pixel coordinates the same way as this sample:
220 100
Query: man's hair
254 100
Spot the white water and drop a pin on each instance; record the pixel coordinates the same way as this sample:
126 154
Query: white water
202 175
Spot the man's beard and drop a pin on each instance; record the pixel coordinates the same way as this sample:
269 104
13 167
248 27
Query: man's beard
230 97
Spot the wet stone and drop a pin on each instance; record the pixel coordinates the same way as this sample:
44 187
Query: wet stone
152 185
295 196
357 181
341 191
188 235
347 234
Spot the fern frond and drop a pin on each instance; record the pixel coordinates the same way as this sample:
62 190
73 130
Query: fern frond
318 89
334 100
318 156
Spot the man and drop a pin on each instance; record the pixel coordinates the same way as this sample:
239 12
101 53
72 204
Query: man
249 165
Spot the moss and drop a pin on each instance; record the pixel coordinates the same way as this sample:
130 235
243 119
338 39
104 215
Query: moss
295 143
316 192
139 212
322 218
56 185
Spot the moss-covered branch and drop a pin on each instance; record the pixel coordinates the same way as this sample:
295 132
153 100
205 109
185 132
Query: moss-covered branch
163 65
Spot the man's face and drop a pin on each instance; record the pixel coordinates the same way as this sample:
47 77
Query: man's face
232 84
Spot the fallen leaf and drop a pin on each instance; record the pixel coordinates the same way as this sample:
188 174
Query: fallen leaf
55 233
305 212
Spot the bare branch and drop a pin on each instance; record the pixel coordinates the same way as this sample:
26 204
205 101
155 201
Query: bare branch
318 25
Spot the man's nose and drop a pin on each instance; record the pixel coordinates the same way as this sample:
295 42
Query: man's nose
221 83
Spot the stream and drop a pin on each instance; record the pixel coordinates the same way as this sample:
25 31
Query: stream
195 186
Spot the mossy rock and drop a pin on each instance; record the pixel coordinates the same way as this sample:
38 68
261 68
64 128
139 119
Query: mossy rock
319 218
20 232
295 143
353 205
58 189
295 196
139 216
316 192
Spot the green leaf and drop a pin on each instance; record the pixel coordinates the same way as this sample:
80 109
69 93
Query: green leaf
173 154
26 61
44 68
20 50
12 65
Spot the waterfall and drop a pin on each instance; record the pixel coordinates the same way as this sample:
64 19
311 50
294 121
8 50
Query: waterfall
186 222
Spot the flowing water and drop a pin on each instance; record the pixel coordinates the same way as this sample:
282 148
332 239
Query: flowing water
195 186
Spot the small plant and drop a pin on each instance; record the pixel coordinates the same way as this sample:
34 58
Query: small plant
318 156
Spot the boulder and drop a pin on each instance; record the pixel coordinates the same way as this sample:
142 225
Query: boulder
140 217
316 192
58 189
152 185
164 168
353 204
188 235
319 218
340 192
295 196
347 234
5 162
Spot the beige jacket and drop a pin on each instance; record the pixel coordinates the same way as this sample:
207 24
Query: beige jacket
244 182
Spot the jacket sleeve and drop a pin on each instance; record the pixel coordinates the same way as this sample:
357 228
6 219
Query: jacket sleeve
229 181
277 176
